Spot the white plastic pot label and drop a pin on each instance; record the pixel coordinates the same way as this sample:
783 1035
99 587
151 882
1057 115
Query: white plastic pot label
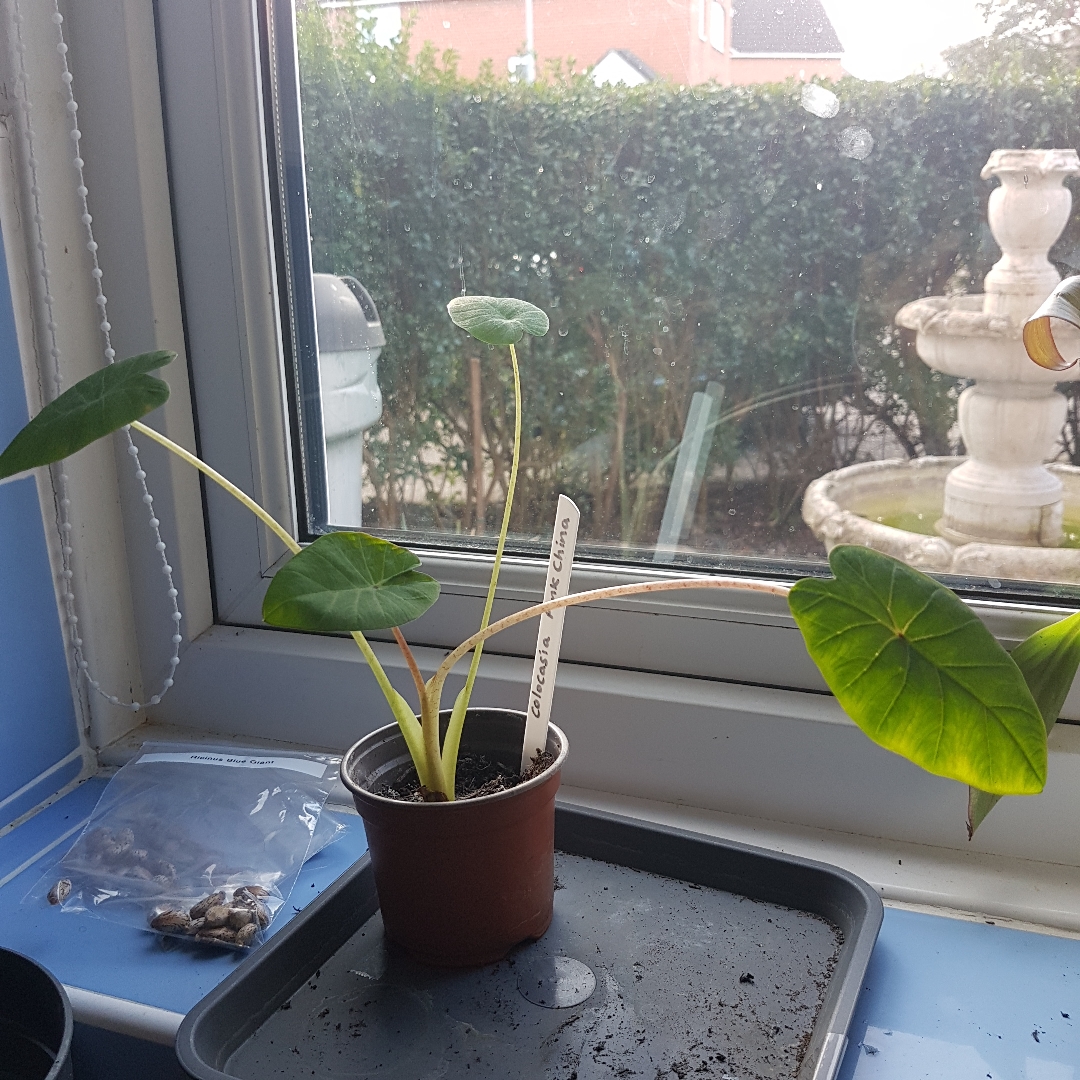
549 636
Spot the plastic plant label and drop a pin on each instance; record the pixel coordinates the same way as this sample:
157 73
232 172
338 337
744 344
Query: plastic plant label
549 636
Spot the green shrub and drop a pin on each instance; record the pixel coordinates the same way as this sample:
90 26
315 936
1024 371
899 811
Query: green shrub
699 233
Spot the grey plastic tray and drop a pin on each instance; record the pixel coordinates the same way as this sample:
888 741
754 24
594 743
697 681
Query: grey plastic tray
670 954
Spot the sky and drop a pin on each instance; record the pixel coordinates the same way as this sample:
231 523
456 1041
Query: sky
884 39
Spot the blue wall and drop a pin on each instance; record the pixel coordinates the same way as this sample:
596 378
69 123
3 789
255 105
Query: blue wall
37 717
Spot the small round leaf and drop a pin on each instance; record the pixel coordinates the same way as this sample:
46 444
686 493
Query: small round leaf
498 320
348 581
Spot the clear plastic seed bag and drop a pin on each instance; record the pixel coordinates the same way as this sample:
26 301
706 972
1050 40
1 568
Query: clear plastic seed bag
202 842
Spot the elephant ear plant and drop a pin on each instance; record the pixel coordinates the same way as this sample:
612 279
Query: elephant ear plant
906 658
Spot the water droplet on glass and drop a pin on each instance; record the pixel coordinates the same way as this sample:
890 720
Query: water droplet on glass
658 352
855 142
408 227
650 178
566 232
563 333
819 101
665 329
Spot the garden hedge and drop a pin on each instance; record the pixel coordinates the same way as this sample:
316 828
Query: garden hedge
676 235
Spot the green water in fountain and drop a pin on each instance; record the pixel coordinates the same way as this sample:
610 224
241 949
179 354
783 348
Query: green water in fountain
914 512
918 514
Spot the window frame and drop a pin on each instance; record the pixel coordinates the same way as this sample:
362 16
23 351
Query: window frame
767 647
651 690
717 34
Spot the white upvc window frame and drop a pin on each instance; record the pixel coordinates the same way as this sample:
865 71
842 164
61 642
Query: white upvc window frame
717 25
706 700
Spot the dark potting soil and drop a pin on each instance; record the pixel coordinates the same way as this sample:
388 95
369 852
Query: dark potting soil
680 981
476 776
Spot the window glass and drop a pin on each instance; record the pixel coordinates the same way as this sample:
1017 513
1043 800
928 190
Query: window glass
727 244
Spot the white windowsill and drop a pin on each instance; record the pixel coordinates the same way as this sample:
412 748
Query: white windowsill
1025 893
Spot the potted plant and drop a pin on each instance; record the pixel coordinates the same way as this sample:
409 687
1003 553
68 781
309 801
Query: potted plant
906 658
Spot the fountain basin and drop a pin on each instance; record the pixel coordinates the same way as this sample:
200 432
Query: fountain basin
956 336
894 506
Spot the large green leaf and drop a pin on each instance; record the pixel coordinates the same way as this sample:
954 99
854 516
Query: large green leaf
349 581
920 674
497 320
1048 661
93 407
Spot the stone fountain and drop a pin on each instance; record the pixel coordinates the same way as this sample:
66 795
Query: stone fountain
1001 512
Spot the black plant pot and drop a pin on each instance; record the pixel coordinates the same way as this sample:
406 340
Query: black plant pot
35 1022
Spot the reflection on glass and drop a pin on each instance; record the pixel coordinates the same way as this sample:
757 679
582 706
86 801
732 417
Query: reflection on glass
721 206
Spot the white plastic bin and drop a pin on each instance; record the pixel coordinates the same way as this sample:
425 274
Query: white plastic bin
350 341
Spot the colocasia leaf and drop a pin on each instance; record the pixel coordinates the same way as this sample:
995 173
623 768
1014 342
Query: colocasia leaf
349 581
497 320
1050 335
920 674
93 407
1048 661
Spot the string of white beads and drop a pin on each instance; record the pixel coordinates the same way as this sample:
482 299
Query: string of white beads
61 484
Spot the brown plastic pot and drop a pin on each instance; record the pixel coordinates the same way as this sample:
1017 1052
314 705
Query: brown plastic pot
460 883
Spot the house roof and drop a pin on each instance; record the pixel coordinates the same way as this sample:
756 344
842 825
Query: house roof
784 27
611 59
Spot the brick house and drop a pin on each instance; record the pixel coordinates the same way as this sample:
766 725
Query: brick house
686 41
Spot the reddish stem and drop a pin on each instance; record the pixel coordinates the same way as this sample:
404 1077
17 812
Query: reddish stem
414 669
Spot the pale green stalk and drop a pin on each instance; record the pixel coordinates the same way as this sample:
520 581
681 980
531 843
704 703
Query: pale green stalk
198 463
406 718
457 719
436 682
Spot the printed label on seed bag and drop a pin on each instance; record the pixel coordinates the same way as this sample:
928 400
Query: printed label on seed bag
198 757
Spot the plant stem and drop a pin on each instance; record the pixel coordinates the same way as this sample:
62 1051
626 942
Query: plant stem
453 732
412 736
414 669
404 716
435 683
277 529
